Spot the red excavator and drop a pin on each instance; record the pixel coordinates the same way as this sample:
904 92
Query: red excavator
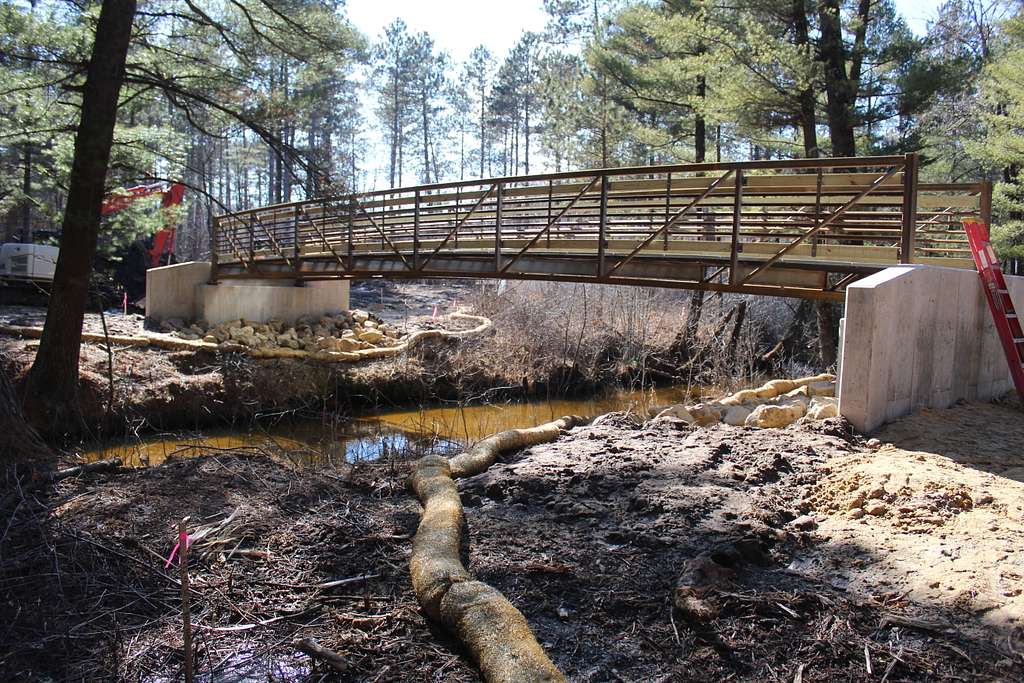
171 195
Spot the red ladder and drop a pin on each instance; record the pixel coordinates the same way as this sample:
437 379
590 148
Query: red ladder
999 302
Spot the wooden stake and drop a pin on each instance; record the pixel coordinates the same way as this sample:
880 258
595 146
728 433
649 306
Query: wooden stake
186 619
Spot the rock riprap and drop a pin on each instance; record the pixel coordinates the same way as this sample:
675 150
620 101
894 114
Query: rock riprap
775 404
342 332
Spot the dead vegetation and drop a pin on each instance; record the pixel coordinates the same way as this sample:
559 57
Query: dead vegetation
563 338
302 574
281 556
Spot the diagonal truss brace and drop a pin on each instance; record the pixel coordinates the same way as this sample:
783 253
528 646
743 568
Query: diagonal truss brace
387 239
551 224
671 222
273 241
323 238
458 226
821 226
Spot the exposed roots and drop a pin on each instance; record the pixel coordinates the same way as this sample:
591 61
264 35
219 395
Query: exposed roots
493 631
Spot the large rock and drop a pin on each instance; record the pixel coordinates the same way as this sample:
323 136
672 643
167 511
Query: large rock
360 316
825 388
173 325
370 336
238 333
347 345
705 414
823 407
700 582
736 416
775 416
678 411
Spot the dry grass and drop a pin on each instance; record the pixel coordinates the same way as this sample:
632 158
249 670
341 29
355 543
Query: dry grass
575 337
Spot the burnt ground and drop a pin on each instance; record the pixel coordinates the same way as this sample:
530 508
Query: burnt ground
596 538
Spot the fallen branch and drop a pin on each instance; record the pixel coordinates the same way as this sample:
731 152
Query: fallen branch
87 468
919 624
58 475
316 651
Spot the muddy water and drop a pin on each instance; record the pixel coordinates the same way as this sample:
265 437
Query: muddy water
395 434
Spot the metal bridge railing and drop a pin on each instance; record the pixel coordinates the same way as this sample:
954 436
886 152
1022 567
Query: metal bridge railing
746 217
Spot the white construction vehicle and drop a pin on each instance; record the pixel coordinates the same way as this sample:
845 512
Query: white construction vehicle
27 263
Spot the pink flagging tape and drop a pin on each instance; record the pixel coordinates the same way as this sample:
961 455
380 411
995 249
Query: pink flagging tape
182 538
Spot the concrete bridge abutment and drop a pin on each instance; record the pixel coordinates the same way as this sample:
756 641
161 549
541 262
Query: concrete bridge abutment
919 337
183 291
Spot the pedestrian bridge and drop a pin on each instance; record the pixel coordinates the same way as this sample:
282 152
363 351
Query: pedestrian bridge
801 228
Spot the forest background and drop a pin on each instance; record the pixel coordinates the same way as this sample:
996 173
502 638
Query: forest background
251 103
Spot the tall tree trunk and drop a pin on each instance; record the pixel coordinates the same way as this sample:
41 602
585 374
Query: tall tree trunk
684 344
824 311
734 338
395 127
828 333
483 129
424 102
841 88
52 386
808 104
840 96
700 136
26 189
526 130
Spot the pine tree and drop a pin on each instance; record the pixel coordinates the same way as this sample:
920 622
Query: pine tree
427 85
477 72
394 62
1001 149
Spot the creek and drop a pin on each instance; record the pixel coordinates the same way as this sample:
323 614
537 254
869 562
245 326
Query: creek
389 434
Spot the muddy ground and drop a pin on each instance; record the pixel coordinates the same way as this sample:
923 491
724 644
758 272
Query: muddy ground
638 552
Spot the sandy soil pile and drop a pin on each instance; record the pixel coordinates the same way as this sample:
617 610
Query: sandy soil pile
939 512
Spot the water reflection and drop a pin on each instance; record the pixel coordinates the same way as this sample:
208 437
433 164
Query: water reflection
382 436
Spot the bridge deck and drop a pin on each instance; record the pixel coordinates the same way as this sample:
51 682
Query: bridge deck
803 228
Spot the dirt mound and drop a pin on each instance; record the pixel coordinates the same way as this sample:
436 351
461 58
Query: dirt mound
941 527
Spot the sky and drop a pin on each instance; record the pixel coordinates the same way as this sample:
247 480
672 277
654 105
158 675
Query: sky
458 26
918 12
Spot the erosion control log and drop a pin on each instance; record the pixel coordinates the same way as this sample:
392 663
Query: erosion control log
493 631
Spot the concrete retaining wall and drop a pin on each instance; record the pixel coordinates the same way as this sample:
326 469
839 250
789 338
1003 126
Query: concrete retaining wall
257 300
916 337
181 291
171 290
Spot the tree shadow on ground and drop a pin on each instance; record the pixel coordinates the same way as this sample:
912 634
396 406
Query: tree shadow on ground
589 538
86 595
